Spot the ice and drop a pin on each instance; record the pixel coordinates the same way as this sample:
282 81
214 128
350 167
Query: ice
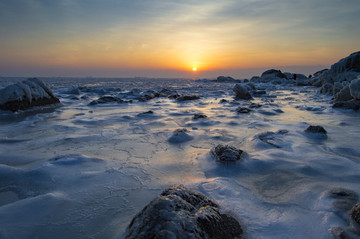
81 171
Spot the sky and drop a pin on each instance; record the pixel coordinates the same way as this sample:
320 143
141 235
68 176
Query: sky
168 38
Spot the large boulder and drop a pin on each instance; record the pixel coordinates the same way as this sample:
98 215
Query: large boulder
180 212
350 63
343 95
242 92
26 94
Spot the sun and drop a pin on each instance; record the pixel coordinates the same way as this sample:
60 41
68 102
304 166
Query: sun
194 68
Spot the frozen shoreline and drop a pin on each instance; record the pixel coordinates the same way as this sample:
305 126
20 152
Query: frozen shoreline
85 170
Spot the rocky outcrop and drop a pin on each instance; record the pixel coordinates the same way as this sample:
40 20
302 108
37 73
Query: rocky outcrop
26 94
180 212
272 73
226 79
242 92
199 116
226 153
335 81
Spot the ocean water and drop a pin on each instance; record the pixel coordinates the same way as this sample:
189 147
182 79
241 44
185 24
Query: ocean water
84 171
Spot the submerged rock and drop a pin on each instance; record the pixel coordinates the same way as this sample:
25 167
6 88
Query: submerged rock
243 110
226 153
344 199
26 94
241 92
107 99
316 129
187 97
272 138
180 212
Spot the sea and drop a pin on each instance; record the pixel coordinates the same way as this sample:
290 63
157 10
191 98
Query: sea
84 170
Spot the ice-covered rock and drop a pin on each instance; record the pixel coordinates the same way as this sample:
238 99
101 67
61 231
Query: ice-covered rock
180 136
340 74
226 153
355 213
355 88
343 95
180 212
241 92
26 94
316 129
272 138
350 104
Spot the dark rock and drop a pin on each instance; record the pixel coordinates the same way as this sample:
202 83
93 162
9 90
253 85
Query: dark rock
187 97
318 73
226 153
355 213
327 89
25 95
199 116
243 110
241 92
223 101
350 104
106 99
316 129
273 72
150 112
180 212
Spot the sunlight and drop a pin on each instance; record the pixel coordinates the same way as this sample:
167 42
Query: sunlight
194 69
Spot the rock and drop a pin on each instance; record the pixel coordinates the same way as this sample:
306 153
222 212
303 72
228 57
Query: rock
327 89
180 212
243 110
350 63
25 95
226 153
107 99
180 136
258 92
355 213
355 88
273 73
255 105
343 95
316 129
199 116
187 97
241 92
350 104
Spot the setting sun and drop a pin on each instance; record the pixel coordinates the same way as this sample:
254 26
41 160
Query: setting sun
194 68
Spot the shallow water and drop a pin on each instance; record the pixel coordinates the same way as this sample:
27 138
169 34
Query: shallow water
83 170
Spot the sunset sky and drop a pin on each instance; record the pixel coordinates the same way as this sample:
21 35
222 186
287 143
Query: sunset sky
167 38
